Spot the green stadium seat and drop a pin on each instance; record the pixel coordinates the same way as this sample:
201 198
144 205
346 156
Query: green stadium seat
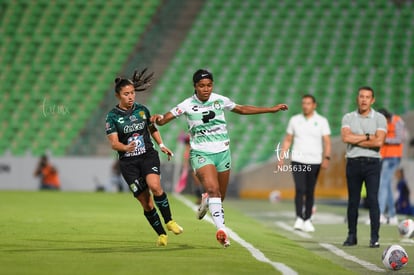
47 52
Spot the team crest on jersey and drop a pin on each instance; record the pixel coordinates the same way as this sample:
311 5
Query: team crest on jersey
217 105
142 114
133 118
201 159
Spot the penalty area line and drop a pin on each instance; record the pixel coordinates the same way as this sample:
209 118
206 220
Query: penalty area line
256 253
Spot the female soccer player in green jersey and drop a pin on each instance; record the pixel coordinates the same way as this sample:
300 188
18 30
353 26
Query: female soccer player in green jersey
210 153
128 129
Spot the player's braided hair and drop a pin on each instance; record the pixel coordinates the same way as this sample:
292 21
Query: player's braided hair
139 80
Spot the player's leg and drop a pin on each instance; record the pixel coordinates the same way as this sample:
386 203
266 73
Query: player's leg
223 163
130 170
151 170
198 188
312 177
393 220
354 185
299 179
150 213
372 170
385 178
198 161
208 176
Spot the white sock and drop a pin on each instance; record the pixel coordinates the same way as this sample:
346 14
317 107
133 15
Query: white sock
217 212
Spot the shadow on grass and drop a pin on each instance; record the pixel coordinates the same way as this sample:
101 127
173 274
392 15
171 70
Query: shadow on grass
100 246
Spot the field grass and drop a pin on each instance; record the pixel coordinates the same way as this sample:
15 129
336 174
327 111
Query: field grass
106 233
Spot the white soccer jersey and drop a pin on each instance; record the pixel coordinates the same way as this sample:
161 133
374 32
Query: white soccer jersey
307 137
206 122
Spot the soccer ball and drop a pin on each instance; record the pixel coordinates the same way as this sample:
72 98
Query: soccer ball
394 257
275 196
406 228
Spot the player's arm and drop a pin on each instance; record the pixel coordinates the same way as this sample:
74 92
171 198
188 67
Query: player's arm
351 138
374 141
155 134
253 110
363 140
119 146
326 150
399 134
162 119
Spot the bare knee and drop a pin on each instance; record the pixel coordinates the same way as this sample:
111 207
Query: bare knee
145 201
154 184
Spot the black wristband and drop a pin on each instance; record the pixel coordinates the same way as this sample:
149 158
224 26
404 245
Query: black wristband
367 135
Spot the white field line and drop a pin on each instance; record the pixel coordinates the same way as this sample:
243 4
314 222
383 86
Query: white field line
256 253
346 256
332 248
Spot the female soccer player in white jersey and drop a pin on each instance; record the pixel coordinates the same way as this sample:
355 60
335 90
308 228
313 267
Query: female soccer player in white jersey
210 153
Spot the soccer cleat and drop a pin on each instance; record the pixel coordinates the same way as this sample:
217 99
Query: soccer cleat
222 238
202 209
162 240
298 224
308 226
174 227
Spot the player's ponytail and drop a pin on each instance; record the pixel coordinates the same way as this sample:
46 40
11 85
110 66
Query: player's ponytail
140 80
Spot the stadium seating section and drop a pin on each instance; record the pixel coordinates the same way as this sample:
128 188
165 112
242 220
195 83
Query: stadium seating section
59 57
268 52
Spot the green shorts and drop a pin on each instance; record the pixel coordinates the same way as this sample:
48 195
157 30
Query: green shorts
221 160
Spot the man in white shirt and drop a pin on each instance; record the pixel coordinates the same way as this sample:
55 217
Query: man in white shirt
310 134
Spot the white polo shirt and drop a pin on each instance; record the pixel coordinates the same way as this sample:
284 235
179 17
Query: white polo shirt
307 137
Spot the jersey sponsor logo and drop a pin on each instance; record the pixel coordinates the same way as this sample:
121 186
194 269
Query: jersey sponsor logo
208 131
139 145
108 126
208 115
178 111
121 120
155 169
142 114
133 118
134 127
